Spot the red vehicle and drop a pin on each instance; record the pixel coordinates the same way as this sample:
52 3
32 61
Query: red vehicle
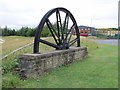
85 35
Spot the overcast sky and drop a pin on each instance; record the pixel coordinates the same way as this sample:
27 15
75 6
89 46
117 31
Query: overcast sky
96 13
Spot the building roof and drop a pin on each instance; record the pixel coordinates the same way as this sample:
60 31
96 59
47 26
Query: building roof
83 27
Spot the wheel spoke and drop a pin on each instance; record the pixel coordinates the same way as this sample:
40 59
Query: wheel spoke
57 18
67 25
60 22
72 31
72 42
69 30
48 43
64 25
65 28
51 28
58 27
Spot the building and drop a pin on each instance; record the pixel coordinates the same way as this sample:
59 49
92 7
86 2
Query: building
87 30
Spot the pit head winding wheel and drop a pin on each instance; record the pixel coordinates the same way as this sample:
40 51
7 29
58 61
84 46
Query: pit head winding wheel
66 27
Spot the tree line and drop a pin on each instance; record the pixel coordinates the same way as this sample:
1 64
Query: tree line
30 32
24 31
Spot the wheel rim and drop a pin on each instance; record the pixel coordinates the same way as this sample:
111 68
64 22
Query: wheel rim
61 34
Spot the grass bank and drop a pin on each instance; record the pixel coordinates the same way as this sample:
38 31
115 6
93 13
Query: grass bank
98 70
14 42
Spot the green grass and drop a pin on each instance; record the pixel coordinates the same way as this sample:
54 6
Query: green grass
98 70
14 42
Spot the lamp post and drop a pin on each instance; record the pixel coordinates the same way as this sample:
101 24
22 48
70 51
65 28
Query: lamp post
118 20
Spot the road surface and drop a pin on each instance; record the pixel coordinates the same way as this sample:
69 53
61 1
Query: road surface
106 41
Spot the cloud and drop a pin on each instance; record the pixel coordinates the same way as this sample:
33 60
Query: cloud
28 12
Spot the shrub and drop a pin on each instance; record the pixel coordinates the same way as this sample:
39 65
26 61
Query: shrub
10 81
9 64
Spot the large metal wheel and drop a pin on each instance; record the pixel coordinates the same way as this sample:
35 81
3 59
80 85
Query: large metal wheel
62 33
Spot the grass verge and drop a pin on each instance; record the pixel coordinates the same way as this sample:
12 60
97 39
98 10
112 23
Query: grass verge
14 42
98 70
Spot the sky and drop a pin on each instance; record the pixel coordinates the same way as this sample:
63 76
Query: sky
96 13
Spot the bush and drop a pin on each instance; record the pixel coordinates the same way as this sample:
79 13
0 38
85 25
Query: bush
45 32
10 81
9 64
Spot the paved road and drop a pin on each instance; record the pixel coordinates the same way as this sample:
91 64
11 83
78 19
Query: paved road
106 41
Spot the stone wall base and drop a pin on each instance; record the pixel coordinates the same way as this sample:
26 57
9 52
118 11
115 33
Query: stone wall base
33 65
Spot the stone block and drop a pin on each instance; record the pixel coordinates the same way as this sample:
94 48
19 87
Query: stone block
48 63
55 61
71 57
33 65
